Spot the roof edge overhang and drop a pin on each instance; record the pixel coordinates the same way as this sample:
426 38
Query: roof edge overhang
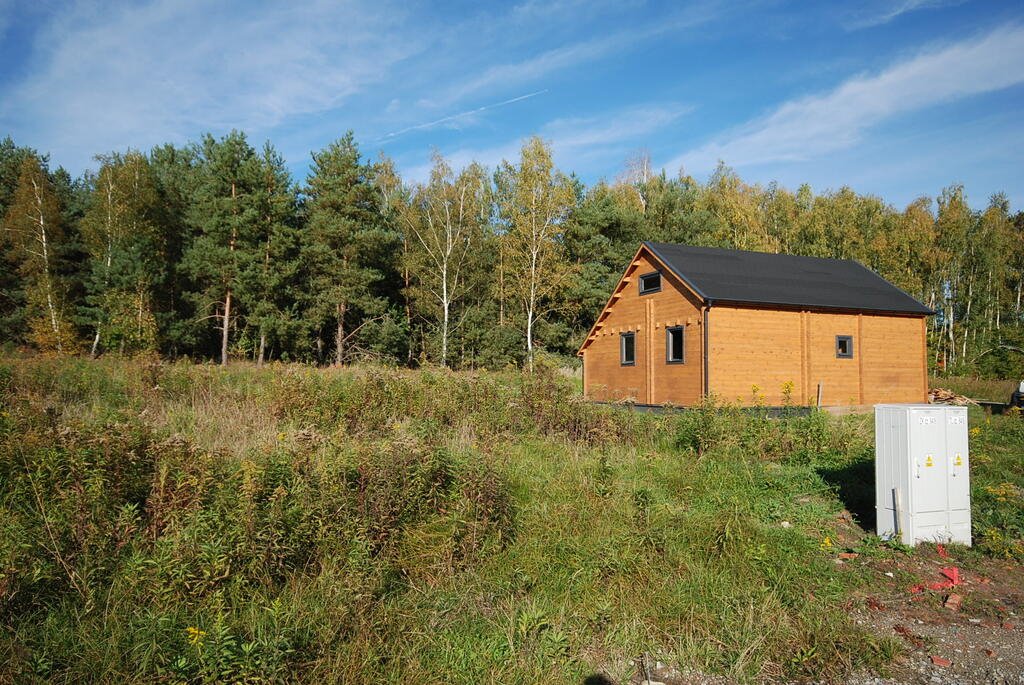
678 274
621 285
827 309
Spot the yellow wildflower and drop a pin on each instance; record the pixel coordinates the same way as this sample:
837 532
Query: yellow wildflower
195 636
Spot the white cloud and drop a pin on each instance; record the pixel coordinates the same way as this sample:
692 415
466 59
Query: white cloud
528 12
814 126
578 144
104 77
455 120
871 14
530 70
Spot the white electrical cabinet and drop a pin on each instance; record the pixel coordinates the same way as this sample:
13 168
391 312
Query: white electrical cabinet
922 473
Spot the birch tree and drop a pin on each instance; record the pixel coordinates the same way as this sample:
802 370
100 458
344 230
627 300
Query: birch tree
126 252
953 226
535 199
32 224
446 220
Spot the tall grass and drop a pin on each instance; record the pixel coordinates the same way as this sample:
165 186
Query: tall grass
993 390
185 523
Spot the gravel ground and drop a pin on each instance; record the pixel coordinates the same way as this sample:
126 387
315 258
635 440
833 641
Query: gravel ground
972 632
963 652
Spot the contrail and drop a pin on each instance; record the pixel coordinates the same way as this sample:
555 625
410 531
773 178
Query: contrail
431 124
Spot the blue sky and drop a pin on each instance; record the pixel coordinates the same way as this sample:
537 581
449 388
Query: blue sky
893 98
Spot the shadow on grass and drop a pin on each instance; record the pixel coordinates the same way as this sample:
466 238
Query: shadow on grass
855 486
598 679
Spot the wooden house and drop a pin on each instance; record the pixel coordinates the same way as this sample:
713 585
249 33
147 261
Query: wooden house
754 328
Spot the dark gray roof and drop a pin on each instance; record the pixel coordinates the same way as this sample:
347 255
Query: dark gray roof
761 278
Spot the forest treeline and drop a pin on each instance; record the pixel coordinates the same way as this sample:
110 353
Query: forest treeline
213 251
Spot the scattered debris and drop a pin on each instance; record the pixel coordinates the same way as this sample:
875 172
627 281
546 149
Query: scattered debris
848 555
909 635
941 549
972 624
943 396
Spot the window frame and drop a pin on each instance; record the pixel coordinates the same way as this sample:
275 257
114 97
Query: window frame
622 348
669 330
849 347
649 291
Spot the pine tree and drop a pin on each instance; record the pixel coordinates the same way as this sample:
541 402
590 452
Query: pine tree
175 174
348 249
224 218
267 282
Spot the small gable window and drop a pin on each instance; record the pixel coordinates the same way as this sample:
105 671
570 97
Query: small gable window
650 283
844 347
674 350
627 349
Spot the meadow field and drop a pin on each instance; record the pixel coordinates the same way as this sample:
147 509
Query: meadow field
172 522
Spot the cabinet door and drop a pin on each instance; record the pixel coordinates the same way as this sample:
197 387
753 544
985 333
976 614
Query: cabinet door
928 463
956 460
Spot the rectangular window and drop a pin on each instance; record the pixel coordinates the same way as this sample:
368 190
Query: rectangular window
674 350
650 283
627 347
844 346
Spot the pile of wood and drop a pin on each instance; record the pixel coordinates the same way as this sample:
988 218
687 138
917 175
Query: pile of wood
943 396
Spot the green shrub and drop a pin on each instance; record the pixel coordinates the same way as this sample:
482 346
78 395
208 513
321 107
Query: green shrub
704 427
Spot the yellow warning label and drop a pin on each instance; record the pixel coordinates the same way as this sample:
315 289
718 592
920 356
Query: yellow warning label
928 461
959 461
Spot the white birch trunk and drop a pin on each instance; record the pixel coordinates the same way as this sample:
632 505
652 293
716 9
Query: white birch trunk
51 305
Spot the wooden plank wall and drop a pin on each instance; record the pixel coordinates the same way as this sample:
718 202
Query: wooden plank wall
840 378
895 361
769 348
755 347
651 380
